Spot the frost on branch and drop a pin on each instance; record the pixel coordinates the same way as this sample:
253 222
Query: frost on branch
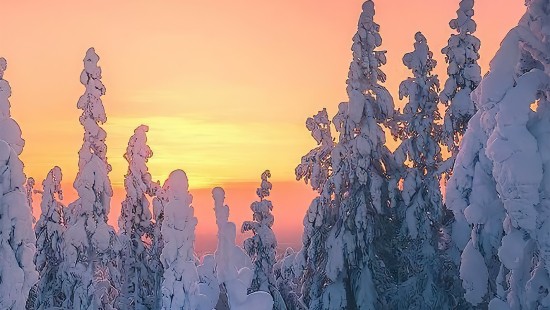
234 267
262 245
49 243
91 247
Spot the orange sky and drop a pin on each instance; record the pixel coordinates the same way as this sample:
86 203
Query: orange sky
225 86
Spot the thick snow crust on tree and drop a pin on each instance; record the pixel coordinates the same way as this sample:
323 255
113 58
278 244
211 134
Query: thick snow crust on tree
234 266
461 55
504 151
360 168
91 275
315 165
315 168
49 229
138 282
17 240
261 247
180 288
10 131
420 209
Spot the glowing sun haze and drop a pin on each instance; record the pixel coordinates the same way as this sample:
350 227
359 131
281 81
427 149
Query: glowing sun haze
225 86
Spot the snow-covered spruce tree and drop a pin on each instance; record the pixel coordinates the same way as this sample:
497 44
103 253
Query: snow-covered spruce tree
49 240
315 168
461 54
261 247
505 148
91 248
17 240
180 289
420 213
357 243
137 279
234 267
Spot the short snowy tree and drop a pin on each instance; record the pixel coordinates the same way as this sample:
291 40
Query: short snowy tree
500 182
91 247
361 163
49 240
461 54
17 240
286 277
234 266
421 261
180 289
208 285
137 278
261 247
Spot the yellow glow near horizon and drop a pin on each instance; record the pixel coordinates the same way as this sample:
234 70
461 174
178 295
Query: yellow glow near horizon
212 153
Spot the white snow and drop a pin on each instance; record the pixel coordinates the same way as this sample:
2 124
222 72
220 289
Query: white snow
49 242
262 245
234 267
17 240
91 249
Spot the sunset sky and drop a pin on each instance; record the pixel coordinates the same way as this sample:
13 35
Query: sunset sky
225 86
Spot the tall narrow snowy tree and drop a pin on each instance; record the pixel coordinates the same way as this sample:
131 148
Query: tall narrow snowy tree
261 247
234 267
49 239
137 285
501 182
315 168
17 240
359 183
91 245
461 54
420 284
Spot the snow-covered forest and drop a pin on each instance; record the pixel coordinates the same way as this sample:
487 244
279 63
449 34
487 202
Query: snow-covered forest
451 215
